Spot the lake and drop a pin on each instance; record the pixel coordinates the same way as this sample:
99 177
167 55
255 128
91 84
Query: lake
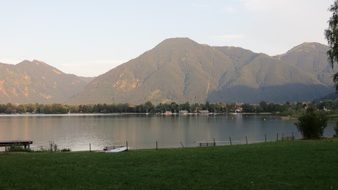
142 131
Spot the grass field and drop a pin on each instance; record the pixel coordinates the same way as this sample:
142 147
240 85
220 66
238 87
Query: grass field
283 165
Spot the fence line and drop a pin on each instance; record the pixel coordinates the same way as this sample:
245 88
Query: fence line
230 140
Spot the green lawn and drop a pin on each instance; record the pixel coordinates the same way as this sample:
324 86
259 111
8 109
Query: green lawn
283 165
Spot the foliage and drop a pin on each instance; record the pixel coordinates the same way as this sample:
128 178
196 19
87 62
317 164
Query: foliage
148 107
312 124
331 35
275 108
15 148
336 129
65 150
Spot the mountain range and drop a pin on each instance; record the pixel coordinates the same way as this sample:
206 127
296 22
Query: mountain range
180 70
36 82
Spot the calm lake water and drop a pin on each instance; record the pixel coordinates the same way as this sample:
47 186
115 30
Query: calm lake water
77 131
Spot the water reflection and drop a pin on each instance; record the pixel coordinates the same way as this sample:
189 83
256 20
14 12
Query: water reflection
76 132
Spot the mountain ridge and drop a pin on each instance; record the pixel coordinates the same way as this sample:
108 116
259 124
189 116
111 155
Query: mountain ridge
37 82
180 69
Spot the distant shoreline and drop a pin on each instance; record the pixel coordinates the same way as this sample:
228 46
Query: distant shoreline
118 114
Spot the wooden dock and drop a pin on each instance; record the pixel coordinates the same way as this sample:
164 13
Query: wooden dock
206 143
25 144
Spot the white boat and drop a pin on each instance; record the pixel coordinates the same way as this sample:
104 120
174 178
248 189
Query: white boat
117 149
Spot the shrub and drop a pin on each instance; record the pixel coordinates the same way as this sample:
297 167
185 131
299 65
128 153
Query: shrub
65 150
15 148
312 124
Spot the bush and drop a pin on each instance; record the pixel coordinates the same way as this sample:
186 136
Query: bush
15 148
312 124
65 150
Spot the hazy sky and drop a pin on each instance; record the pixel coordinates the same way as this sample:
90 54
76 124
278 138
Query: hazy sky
90 37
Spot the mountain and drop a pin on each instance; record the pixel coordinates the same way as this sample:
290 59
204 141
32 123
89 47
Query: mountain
180 70
312 58
301 74
332 96
175 70
36 82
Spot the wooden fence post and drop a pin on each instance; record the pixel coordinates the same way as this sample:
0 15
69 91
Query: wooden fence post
90 147
246 139
277 137
50 146
182 144
230 140
156 145
127 145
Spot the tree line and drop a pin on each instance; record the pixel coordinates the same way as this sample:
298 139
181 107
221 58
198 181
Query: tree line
148 107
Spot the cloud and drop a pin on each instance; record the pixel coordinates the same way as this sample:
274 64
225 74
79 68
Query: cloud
229 9
272 5
89 67
229 37
226 8
109 61
11 60
91 62
200 5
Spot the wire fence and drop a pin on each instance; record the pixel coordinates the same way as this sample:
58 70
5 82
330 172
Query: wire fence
228 140
165 144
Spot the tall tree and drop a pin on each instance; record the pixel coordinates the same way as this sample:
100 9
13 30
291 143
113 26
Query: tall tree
331 35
